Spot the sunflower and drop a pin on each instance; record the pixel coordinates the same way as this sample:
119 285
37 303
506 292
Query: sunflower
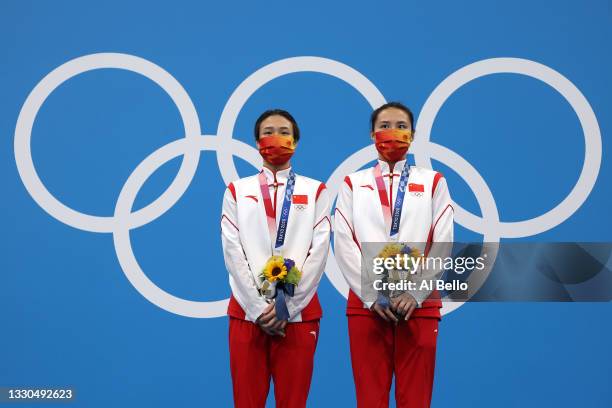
275 269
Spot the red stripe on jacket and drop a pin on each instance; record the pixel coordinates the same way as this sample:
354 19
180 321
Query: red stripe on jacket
231 188
347 180
321 188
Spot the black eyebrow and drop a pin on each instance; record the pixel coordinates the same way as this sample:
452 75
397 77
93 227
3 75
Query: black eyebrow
272 127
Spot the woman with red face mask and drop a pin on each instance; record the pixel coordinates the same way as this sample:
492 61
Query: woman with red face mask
275 231
392 203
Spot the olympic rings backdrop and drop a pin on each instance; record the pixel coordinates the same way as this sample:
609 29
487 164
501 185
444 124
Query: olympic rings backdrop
122 124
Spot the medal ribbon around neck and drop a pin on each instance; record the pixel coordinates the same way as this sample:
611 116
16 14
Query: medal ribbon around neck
392 221
277 236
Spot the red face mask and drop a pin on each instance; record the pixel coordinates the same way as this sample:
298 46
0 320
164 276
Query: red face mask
393 144
276 149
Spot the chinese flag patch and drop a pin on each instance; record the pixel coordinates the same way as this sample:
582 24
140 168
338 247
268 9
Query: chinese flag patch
300 199
416 188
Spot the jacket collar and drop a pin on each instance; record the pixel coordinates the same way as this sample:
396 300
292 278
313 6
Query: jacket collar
280 176
397 168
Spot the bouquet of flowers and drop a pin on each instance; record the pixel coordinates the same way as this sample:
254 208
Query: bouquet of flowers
282 276
405 252
404 260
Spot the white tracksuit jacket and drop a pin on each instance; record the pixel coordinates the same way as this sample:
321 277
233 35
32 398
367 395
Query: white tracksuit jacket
427 216
247 244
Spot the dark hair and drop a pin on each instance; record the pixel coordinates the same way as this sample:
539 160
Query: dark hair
397 105
279 112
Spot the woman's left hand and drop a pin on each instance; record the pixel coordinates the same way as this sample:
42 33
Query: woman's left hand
403 305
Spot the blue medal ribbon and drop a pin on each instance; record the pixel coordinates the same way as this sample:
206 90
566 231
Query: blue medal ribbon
283 290
399 201
284 216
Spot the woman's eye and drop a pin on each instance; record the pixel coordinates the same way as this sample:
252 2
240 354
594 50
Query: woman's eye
402 126
384 126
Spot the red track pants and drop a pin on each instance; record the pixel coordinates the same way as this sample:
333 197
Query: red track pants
255 357
380 349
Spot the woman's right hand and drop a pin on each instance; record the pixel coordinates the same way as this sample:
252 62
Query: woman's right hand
384 312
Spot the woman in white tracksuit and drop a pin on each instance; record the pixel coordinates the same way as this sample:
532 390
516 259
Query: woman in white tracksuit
265 216
397 336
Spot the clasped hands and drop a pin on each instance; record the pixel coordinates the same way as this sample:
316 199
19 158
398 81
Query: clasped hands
269 323
402 306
